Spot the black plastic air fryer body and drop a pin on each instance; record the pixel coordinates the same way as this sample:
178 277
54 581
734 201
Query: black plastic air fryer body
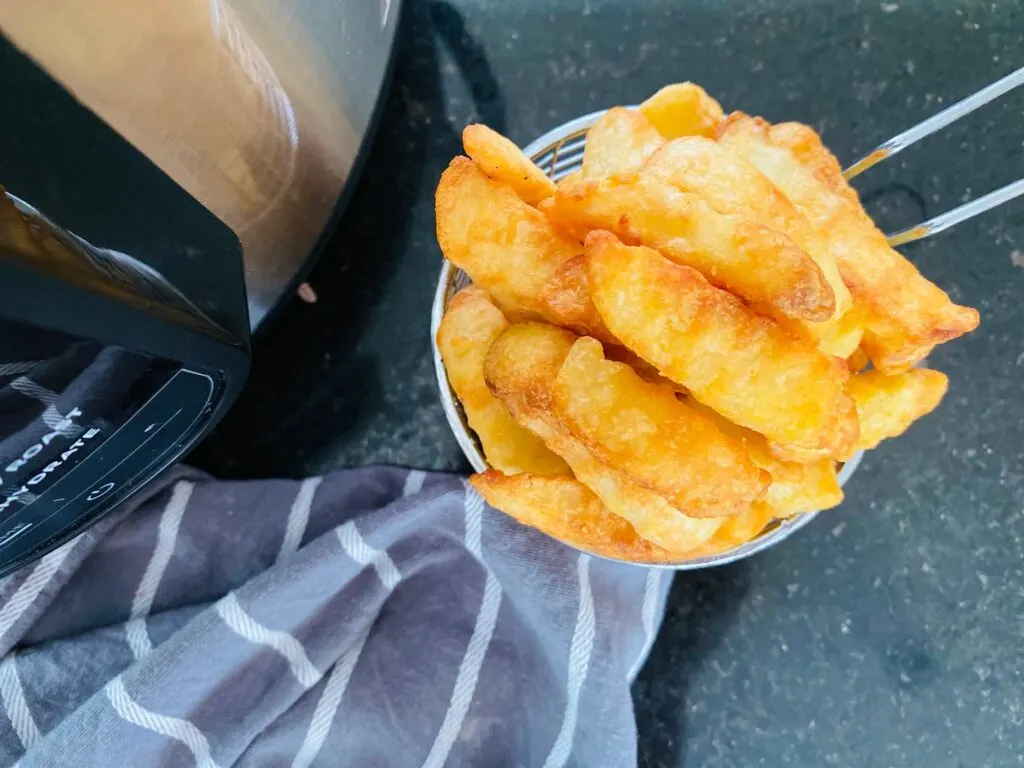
124 332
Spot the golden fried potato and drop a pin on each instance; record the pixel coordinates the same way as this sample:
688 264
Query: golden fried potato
734 252
740 364
731 185
800 488
683 109
566 301
888 405
642 368
570 178
661 443
566 509
837 337
468 328
845 431
619 142
905 315
520 368
506 246
842 337
857 361
735 531
651 515
795 488
522 363
503 161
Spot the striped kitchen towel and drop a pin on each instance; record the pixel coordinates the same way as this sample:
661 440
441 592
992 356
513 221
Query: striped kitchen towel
372 617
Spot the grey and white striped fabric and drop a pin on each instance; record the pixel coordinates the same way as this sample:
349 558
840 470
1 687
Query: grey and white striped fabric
373 617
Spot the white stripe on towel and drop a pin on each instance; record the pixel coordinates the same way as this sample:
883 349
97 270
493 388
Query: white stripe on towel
229 609
327 705
579 661
334 690
651 590
358 549
30 589
298 517
479 641
166 539
171 727
16 704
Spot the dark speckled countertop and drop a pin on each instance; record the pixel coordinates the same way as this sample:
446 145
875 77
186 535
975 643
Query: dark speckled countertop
890 632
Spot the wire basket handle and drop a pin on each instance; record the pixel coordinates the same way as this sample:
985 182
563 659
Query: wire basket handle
937 122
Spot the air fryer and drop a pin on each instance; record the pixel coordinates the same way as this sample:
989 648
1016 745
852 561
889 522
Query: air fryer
167 173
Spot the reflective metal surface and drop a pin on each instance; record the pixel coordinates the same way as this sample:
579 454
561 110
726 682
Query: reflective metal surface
257 108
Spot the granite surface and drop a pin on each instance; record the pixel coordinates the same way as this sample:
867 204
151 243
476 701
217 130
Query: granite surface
890 632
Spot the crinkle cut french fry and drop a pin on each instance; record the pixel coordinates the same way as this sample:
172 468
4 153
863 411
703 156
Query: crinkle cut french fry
888 405
906 315
743 366
735 252
736 531
683 109
731 185
651 515
567 303
520 368
801 488
844 431
469 326
660 442
522 363
506 246
619 142
503 161
566 509
795 488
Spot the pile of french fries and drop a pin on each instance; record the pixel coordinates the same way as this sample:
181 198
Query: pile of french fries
667 350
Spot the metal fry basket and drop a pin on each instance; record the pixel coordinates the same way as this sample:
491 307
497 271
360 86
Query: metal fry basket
558 153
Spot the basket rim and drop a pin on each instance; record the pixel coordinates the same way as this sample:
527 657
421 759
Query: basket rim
449 401
471 450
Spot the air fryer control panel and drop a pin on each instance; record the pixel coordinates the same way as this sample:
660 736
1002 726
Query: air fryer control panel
88 468
82 424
